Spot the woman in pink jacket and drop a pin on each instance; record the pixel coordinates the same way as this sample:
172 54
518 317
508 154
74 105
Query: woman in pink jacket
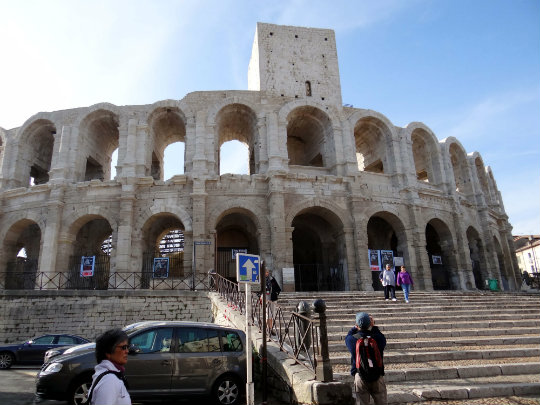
404 280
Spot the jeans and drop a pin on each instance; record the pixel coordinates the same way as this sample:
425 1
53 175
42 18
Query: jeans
406 289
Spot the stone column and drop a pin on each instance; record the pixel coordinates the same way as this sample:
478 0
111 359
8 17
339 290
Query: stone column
281 233
125 229
200 163
199 197
273 139
49 246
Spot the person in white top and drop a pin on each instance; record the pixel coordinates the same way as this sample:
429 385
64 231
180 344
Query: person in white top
388 279
109 386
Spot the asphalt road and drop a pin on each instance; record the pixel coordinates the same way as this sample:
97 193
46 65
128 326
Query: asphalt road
17 386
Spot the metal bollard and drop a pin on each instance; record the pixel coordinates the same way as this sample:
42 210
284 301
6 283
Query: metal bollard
323 371
303 335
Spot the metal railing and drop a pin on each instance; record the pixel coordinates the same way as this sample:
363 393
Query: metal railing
112 281
301 337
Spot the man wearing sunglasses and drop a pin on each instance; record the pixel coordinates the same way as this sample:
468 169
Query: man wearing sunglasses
109 386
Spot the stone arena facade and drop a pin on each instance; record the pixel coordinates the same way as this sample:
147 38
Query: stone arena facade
326 184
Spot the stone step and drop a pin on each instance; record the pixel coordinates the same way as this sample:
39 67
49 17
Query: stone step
335 327
436 356
468 388
455 343
446 373
447 333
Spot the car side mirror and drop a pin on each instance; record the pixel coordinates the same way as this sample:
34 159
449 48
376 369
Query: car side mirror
134 349
29 343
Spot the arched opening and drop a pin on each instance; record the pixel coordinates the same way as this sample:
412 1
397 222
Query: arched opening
478 258
37 152
440 250
100 137
167 157
425 156
482 178
22 247
234 158
237 122
90 262
236 232
506 278
163 256
386 240
370 142
319 251
309 135
458 158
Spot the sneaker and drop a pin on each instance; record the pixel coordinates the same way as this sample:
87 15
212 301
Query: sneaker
386 299
407 301
393 299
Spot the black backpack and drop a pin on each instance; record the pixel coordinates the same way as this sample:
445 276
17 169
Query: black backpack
368 358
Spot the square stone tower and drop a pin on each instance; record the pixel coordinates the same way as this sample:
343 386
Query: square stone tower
295 62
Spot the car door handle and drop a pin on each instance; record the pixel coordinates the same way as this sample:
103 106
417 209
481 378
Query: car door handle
166 363
216 362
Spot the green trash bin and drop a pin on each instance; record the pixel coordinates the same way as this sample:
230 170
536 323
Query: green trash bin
493 284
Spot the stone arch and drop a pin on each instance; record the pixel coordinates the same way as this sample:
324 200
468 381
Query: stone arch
459 164
425 153
167 125
386 231
35 152
310 137
506 277
481 174
478 257
237 230
237 122
99 136
23 232
3 138
333 114
92 236
159 207
163 238
493 190
441 251
373 137
319 249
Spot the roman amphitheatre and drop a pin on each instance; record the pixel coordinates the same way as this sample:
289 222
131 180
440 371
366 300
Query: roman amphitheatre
327 185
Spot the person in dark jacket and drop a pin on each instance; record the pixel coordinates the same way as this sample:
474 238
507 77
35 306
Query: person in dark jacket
272 293
365 326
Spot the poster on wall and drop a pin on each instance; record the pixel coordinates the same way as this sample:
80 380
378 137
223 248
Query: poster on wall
374 260
436 259
387 257
87 266
160 269
235 251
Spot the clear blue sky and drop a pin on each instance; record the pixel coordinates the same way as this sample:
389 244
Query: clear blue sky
466 68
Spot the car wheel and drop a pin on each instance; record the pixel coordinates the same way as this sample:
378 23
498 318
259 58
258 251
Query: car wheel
227 390
6 360
79 390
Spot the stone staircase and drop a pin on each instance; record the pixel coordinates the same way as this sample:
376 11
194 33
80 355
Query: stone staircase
442 345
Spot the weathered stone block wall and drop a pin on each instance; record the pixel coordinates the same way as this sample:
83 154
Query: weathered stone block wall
26 314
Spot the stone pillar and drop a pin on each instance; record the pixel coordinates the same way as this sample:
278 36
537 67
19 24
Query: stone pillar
273 139
125 229
49 245
200 163
199 197
464 266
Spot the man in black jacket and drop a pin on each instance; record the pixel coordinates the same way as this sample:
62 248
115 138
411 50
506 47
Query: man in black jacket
364 327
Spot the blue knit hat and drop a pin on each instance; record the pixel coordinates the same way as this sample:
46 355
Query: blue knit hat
363 320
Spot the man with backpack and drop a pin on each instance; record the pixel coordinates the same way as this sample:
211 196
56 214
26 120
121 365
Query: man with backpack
366 343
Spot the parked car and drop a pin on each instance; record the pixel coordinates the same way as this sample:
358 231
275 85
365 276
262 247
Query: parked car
32 351
167 360
57 351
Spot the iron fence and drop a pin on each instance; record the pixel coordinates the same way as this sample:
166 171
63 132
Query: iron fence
114 281
297 334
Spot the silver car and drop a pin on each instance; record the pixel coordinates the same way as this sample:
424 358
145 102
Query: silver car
167 360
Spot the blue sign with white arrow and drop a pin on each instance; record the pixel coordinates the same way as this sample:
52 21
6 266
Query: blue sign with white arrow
248 268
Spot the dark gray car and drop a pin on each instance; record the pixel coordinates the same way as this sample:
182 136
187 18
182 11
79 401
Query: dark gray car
166 360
